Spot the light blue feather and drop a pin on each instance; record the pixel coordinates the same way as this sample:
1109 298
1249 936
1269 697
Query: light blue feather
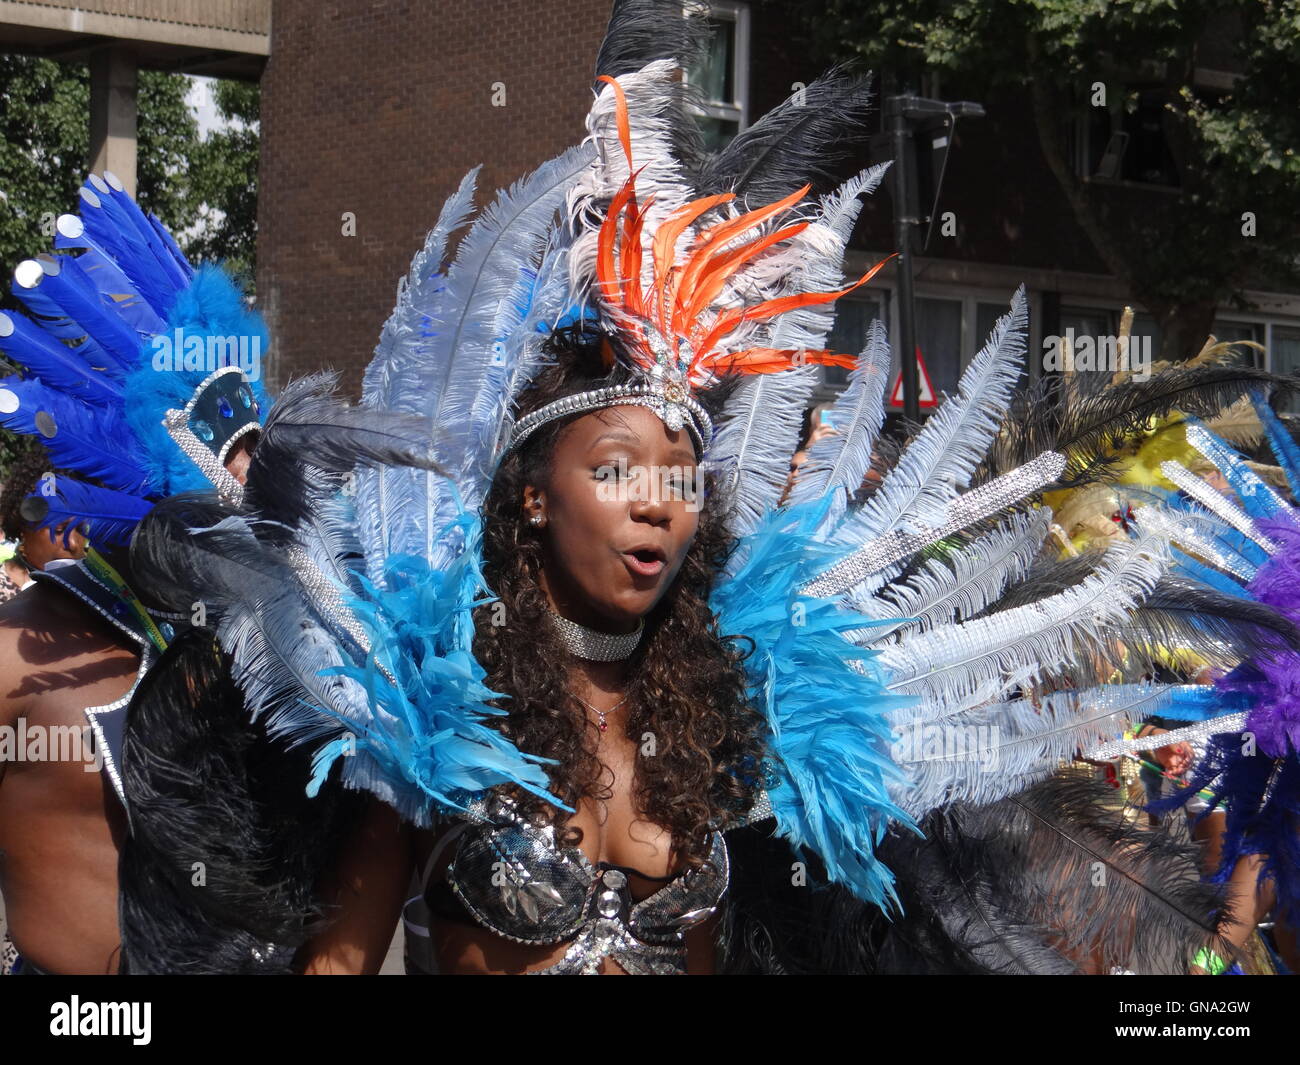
998 749
425 742
758 430
838 462
827 733
386 496
756 435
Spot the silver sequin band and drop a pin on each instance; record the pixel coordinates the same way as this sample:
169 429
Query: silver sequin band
227 485
1213 500
1167 524
969 508
675 413
593 646
1195 734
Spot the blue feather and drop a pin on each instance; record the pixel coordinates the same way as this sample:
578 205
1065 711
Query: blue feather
829 738
114 287
211 306
93 441
1200 702
55 363
1284 447
70 291
110 517
104 222
1254 496
1220 582
427 740
1260 797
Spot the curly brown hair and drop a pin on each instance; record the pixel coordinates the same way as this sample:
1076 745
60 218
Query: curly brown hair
687 688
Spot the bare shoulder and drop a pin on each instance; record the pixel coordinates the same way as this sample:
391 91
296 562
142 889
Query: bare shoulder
42 630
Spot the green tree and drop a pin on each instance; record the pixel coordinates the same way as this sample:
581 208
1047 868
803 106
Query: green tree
1231 222
224 175
44 141
45 145
203 190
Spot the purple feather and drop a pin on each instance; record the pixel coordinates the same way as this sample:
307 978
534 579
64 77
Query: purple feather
1275 719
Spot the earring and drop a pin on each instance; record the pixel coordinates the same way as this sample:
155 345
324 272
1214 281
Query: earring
536 521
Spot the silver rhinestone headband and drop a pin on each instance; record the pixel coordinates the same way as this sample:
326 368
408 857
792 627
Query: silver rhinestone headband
582 642
670 401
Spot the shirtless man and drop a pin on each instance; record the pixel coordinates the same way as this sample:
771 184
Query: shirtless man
62 823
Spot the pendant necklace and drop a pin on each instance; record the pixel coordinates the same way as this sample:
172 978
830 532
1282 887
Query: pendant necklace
601 723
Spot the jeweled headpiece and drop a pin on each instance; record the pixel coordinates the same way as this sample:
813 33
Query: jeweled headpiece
675 318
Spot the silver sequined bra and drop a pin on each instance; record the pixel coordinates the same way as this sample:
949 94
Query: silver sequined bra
514 880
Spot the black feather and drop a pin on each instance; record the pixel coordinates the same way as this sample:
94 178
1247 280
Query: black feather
1225 629
642 31
312 440
1092 427
810 139
1055 879
219 870
175 564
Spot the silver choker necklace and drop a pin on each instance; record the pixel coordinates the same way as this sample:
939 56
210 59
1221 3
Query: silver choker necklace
594 646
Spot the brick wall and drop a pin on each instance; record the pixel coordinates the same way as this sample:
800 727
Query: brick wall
379 108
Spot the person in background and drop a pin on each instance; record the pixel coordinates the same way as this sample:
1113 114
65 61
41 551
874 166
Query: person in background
34 548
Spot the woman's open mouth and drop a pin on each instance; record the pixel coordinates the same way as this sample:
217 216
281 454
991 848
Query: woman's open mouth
645 561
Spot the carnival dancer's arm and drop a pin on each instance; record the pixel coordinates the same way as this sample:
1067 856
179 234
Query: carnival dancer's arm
363 897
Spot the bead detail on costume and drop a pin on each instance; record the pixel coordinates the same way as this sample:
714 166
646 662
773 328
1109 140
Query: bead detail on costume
667 398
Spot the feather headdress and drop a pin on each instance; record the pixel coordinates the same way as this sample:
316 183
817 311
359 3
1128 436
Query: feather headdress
140 373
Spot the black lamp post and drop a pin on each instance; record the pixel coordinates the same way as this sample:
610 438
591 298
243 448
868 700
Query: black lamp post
909 122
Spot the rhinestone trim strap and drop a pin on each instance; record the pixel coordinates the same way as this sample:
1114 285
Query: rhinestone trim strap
1195 734
594 646
876 555
674 408
1213 500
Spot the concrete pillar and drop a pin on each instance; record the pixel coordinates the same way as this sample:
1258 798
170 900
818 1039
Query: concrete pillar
113 114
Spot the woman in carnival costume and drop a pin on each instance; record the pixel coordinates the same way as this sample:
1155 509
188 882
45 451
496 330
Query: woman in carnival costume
644 717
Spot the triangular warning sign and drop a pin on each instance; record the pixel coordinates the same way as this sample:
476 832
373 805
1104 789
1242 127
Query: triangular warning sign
927 398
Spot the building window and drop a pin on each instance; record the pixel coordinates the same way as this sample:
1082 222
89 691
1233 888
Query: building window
723 76
1284 358
1126 144
848 336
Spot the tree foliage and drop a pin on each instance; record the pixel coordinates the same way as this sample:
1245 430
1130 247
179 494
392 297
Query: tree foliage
203 190
1234 152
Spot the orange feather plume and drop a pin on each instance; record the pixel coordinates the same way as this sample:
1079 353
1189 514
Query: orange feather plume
680 293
